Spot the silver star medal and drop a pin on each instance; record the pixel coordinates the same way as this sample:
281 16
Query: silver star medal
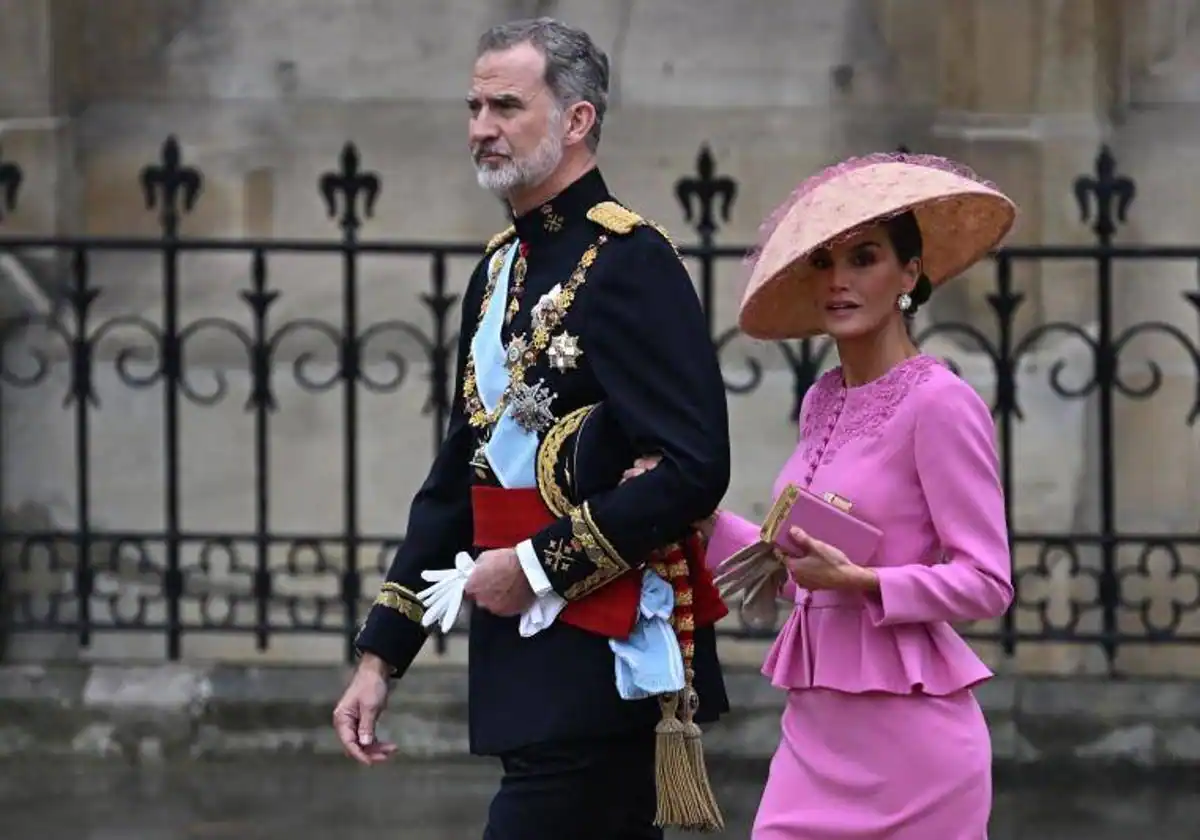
516 349
564 352
530 406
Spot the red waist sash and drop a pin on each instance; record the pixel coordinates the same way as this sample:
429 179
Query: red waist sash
503 518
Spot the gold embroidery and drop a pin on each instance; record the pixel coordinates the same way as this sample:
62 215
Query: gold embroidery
551 221
608 547
519 363
606 565
549 452
560 555
520 267
403 600
678 569
500 238
663 231
778 513
621 220
612 216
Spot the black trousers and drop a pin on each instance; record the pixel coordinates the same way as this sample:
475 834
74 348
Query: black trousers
580 790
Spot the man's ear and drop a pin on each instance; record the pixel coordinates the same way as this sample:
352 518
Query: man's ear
580 121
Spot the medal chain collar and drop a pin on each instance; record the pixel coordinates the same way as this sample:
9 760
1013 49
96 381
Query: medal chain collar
523 353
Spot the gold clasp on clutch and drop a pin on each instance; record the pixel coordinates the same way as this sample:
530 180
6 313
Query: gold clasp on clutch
838 502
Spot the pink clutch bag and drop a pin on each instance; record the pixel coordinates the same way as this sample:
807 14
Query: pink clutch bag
826 517
757 573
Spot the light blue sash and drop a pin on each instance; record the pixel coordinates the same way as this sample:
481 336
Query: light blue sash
650 662
511 451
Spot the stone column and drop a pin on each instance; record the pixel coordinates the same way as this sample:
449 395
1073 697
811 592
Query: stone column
36 133
1018 91
35 128
1158 453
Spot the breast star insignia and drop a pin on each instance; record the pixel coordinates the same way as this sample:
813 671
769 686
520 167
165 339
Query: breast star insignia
530 406
564 352
516 349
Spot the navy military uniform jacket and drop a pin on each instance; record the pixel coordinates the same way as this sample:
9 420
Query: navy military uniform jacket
630 335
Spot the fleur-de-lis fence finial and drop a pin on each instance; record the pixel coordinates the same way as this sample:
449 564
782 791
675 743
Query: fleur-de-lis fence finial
1113 195
171 187
700 194
11 178
350 183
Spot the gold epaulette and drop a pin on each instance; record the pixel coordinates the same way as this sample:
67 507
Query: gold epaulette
500 238
621 220
615 218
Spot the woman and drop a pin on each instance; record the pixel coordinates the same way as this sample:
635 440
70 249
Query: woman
882 738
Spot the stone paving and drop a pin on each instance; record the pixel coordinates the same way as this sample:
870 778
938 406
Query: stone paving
308 798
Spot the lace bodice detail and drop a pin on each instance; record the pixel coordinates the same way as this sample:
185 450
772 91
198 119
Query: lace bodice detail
835 414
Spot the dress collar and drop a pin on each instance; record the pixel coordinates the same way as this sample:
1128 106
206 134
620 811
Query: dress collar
564 212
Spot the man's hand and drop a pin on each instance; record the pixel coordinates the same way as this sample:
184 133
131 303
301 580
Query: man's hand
498 583
358 711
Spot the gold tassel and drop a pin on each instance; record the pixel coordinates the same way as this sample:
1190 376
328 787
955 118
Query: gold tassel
685 797
708 816
671 769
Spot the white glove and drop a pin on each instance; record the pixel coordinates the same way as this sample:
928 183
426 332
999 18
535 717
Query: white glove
443 600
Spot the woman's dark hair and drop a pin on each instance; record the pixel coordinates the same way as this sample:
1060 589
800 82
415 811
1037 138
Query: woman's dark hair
905 236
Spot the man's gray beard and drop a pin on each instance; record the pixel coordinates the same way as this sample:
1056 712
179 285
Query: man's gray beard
515 174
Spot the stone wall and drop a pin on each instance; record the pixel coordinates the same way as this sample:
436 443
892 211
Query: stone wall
263 95
1041 728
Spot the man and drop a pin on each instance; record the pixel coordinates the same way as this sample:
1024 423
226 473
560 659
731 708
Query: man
580 322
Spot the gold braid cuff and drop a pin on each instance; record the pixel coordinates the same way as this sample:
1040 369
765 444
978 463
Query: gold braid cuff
598 552
393 596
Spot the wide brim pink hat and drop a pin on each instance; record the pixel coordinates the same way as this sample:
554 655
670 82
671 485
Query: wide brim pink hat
962 217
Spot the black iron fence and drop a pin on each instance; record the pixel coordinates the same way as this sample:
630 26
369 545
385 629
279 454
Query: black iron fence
70 568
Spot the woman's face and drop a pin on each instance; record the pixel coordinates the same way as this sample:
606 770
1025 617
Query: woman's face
858 281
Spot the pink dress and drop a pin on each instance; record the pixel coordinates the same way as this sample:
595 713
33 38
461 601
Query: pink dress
882 738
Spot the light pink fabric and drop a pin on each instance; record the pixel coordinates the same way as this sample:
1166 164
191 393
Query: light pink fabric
914 451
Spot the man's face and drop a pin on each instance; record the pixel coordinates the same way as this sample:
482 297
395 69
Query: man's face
516 127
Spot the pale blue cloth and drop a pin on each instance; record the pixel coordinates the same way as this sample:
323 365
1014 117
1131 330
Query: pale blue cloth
650 662
511 451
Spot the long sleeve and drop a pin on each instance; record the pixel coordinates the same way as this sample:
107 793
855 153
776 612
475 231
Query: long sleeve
439 524
957 466
648 344
731 533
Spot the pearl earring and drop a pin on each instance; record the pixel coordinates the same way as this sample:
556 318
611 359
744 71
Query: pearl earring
904 302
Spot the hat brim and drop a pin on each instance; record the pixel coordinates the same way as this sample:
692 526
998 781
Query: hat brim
961 220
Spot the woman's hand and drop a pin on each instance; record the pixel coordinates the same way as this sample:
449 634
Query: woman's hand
648 462
642 465
817 565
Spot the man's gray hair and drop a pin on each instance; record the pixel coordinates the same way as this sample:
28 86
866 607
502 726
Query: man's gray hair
576 69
